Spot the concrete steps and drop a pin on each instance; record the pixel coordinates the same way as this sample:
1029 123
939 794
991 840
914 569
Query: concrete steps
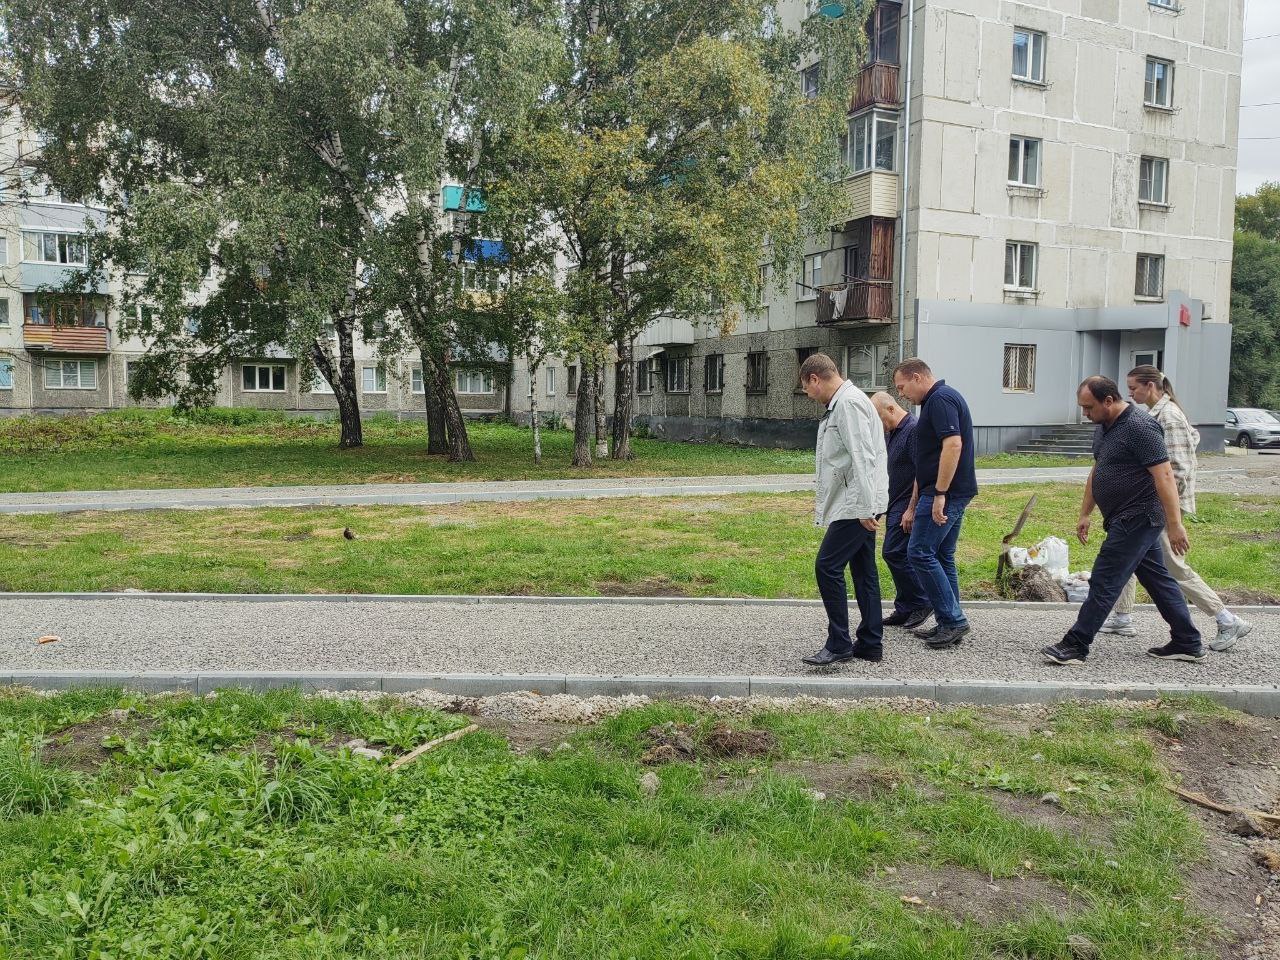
1068 440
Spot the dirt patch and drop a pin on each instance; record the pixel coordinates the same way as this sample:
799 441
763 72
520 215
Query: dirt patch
675 742
647 587
859 778
1236 761
1033 811
80 746
526 738
1032 584
1245 596
970 896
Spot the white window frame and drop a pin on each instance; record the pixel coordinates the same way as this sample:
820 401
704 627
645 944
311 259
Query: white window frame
4 312
1021 249
1150 266
713 363
551 381
465 380
1020 149
809 78
1037 44
866 131
1171 5
319 384
4 251
678 374
379 379
1153 178
1151 85
62 247
1020 376
61 367
7 365
810 277
257 369
416 383
867 366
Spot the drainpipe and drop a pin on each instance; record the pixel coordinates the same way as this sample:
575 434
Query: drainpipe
906 183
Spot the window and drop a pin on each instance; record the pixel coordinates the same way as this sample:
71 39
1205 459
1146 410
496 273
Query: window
648 373
867 365
475 277
802 354
130 372
319 384
262 378
810 277
1165 4
71 374
1024 161
572 387
678 374
882 33
872 140
713 372
1159 85
4 251
374 379
766 273
473 381
4 311
6 373
551 381
39 247
809 81
1153 180
850 264
415 381
1028 55
1019 368
1150 279
757 373
1019 265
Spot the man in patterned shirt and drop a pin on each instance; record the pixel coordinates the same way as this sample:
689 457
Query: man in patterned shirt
1151 388
1132 485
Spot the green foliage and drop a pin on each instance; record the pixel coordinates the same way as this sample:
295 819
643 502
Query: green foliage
26 784
1255 321
1259 212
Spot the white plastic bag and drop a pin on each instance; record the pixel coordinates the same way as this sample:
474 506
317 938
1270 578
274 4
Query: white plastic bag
1051 553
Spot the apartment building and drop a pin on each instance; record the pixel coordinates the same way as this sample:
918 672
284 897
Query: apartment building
1037 191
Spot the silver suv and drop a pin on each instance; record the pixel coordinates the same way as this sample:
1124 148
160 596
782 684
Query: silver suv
1251 427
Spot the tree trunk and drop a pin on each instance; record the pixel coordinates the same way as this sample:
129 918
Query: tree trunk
622 399
437 432
455 425
584 415
533 412
602 423
342 380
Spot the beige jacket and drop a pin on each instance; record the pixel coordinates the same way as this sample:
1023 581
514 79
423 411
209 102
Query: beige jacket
851 462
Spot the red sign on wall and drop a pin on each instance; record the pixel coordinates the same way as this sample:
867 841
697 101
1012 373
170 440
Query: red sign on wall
1184 315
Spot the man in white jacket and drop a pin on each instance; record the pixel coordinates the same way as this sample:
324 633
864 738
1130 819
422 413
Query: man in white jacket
852 492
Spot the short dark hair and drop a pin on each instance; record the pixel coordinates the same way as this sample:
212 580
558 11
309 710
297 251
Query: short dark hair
911 366
818 365
1102 388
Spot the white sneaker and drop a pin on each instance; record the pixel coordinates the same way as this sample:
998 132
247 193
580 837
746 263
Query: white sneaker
1121 628
1228 635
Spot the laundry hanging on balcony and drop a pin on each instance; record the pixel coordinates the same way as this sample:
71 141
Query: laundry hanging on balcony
839 298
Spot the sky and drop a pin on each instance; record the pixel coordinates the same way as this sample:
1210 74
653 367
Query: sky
1260 84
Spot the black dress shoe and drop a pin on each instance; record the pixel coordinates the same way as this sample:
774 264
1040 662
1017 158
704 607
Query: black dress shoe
898 618
917 617
868 653
927 634
825 658
947 637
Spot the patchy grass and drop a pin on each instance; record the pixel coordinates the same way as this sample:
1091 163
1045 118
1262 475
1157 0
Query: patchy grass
230 829
753 545
243 447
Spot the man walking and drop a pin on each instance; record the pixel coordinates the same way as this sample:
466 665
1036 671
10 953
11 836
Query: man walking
1132 484
852 490
945 483
910 604
1151 388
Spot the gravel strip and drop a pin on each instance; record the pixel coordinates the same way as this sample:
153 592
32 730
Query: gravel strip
616 638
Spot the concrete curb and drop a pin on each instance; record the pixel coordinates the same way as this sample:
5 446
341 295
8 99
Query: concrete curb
532 600
1258 700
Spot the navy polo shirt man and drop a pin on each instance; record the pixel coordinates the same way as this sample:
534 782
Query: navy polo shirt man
911 605
945 483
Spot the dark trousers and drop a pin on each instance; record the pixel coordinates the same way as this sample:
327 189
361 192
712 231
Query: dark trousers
1133 547
932 550
909 595
849 544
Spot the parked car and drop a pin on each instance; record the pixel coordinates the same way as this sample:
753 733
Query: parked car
1251 427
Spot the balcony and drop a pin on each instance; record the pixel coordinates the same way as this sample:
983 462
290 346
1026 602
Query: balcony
871 193
877 85
857 303
66 339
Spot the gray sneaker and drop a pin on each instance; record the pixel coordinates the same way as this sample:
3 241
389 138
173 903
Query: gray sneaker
1121 628
1228 635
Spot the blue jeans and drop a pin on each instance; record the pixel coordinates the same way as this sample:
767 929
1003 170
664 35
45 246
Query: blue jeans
909 596
1133 547
848 543
932 551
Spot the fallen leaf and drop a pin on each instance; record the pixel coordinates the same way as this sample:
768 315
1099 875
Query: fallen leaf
913 900
48 638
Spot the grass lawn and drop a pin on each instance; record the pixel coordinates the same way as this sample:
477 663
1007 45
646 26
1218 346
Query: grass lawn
749 545
243 447
239 827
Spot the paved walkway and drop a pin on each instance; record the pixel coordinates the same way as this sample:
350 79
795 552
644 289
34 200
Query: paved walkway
567 636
